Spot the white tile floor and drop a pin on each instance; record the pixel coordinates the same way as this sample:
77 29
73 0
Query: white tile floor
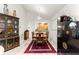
19 50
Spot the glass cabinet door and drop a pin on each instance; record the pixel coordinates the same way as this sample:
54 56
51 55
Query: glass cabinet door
9 28
16 26
2 25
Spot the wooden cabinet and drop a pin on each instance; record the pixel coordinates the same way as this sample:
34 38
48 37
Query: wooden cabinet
26 35
9 31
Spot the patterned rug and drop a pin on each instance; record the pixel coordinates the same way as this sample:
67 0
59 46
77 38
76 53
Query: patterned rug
44 47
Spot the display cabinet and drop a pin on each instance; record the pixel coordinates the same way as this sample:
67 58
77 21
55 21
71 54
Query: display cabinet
67 35
9 31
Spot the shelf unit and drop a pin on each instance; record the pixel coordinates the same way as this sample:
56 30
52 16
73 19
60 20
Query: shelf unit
9 31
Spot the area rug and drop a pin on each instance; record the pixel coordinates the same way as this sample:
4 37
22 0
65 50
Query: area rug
45 48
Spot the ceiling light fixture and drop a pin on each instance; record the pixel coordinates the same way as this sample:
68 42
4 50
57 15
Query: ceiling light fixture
39 16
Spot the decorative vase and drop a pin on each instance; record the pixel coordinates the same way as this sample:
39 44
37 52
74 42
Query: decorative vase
5 9
14 12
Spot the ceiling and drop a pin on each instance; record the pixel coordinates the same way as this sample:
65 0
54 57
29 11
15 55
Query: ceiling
46 11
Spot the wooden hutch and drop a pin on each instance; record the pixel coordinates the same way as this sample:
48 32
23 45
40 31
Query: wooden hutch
9 31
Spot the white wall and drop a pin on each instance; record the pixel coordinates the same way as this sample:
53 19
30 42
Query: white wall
70 10
53 33
21 13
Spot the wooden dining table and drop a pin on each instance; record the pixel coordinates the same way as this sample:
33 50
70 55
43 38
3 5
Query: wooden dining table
39 38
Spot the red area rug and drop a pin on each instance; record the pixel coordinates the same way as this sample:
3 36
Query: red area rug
45 47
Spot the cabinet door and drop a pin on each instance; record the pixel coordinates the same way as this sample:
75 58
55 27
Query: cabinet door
16 26
2 25
26 35
9 25
9 43
16 41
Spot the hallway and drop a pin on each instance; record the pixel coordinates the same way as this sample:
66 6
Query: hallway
37 19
